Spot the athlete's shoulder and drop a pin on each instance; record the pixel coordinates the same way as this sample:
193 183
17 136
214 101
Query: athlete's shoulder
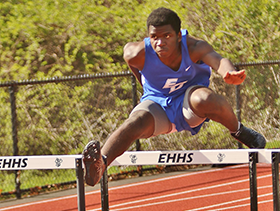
133 49
196 43
198 48
134 54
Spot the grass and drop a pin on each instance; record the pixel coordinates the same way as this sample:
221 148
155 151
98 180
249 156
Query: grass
36 178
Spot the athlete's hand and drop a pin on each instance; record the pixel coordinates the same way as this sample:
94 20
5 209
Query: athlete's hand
235 77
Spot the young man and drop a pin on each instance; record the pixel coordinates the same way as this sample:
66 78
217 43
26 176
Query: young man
174 70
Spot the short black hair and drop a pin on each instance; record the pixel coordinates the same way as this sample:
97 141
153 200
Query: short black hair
163 16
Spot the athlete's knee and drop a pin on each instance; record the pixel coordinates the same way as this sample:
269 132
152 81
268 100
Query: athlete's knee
142 123
202 97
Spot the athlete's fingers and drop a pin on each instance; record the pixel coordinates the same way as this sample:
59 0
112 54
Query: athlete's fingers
235 77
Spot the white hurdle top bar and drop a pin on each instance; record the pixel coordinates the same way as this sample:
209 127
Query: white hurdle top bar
217 156
129 158
38 162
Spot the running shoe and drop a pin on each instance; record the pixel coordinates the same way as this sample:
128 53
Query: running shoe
95 163
249 137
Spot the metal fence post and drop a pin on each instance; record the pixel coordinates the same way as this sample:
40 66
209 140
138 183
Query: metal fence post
12 91
134 99
238 107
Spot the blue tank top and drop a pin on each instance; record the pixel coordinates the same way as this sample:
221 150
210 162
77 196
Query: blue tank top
167 87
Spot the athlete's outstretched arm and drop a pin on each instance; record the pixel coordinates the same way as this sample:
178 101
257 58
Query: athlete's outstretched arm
201 50
225 68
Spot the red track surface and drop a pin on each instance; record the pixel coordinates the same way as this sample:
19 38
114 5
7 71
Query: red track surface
215 189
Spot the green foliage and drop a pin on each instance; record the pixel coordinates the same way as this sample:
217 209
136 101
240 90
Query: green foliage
40 178
5 123
61 119
54 38
240 30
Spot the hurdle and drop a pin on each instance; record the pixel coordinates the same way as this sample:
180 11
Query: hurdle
192 157
49 162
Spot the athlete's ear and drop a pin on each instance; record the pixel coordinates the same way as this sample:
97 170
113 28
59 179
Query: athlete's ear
179 36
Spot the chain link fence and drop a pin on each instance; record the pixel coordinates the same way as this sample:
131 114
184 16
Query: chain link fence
60 116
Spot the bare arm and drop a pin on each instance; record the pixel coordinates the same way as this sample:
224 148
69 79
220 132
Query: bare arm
134 55
201 50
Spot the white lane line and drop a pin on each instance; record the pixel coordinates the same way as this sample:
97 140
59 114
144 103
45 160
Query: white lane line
38 202
114 188
188 198
241 205
225 203
183 192
174 177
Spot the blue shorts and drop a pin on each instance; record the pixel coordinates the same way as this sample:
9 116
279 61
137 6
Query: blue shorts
168 114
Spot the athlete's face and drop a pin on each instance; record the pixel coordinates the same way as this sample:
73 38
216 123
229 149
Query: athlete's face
164 40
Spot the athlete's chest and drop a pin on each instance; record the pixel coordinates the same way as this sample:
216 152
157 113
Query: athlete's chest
172 62
169 81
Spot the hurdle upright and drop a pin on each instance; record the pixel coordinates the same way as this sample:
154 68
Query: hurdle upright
275 157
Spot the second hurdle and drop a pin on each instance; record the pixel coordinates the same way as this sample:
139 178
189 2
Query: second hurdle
192 157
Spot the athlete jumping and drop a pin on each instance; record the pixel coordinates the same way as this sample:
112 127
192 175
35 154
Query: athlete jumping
174 69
